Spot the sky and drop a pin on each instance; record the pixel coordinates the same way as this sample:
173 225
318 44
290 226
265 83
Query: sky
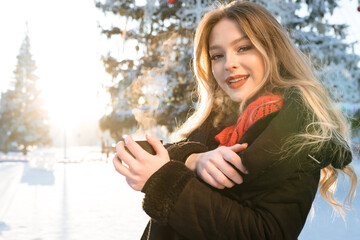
67 46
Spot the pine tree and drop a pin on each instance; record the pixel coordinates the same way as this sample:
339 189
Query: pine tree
23 118
335 62
159 83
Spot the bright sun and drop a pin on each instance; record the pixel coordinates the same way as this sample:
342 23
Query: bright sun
70 102
67 52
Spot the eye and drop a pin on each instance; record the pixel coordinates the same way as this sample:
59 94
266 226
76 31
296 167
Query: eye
216 57
244 48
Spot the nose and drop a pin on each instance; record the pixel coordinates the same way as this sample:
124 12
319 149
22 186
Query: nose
231 62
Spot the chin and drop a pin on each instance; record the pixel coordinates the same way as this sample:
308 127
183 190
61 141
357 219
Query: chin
236 99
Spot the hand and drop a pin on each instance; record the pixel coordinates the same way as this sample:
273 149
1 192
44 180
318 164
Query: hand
143 164
213 167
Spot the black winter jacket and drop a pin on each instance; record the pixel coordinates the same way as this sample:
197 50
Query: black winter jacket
273 201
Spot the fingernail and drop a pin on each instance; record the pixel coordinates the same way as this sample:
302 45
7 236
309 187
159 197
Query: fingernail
127 139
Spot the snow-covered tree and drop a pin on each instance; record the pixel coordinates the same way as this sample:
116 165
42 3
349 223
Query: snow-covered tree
23 117
158 83
308 23
161 33
335 61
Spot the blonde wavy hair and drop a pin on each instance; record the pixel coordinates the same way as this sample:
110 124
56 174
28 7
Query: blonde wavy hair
286 68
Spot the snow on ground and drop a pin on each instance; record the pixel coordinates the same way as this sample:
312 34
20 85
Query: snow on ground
89 200
72 201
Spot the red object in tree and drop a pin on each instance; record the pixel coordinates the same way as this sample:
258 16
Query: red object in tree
358 8
172 1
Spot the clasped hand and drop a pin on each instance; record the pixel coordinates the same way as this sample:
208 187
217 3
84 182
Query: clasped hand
142 164
213 166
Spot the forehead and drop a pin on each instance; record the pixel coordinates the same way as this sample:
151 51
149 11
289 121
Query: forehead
225 31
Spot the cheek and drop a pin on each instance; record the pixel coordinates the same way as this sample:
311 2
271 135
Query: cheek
216 76
213 70
261 68
257 65
216 71
261 63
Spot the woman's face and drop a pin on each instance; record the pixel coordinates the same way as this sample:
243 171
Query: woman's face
237 65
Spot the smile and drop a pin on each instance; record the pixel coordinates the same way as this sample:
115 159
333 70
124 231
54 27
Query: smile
237 81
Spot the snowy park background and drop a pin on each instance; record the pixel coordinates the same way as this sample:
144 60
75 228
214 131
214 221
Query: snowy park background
48 200
69 190
89 200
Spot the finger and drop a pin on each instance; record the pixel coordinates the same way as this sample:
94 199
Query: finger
210 180
134 148
156 144
219 176
120 168
120 147
123 155
230 172
235 160
238 147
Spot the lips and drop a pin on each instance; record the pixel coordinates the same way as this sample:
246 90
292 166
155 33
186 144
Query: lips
237 81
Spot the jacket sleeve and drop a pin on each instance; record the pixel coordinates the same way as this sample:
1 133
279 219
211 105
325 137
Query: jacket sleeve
174 196
266 150
277 193
182 150
201 140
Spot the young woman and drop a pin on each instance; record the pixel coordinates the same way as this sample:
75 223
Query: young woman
249 164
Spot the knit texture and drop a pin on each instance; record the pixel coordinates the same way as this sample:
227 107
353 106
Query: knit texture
159 197
259 108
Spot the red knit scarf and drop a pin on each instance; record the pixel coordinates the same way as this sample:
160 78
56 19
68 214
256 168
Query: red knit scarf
259 108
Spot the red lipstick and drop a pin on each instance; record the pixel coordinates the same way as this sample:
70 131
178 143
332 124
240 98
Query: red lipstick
236 81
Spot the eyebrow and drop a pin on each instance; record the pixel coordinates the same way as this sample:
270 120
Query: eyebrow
232 43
